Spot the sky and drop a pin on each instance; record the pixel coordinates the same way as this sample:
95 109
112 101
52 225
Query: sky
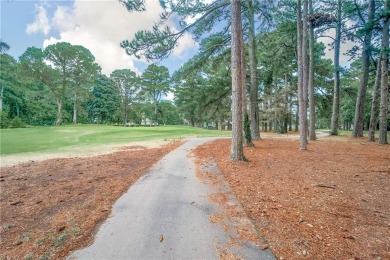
99 25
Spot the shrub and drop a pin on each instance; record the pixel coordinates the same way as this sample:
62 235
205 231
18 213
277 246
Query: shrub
4 120
17 122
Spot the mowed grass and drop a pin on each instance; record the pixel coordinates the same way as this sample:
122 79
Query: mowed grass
349 133
38 139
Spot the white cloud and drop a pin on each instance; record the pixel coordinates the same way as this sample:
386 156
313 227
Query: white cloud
63 19
185 43
100 26
41 23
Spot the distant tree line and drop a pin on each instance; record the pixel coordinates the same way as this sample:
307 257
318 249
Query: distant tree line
63 84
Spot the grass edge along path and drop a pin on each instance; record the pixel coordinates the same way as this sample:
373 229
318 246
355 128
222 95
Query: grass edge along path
44 139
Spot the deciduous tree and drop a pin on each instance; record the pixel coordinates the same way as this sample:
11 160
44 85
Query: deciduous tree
128 85
34 65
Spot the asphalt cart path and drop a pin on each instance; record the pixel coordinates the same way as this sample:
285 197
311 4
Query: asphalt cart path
164 215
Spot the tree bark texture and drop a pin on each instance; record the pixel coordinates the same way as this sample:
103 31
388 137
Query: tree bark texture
1 98
385 78
59 111
375 103
254 106
237 149
75 109
359 110
248 141
290 114
336 88
312 129
302 73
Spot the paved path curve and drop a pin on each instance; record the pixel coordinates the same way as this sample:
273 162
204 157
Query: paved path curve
164 215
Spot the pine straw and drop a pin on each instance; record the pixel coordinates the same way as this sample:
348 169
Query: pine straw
330 202
52 207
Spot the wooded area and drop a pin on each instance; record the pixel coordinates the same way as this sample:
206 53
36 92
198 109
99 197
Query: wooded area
264 59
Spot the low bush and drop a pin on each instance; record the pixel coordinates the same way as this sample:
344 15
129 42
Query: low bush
17 122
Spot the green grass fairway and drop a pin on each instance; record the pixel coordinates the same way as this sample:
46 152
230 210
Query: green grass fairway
37 139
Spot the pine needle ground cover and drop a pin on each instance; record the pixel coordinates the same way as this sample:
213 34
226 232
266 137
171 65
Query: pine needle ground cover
330 202
52 207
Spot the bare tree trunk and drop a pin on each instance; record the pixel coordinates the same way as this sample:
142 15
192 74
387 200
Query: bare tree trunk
312 130
155 113
375 101
59 111
1 98
254 106
305 68
237 146
359 110
243 78
247 138
75 109
124 118
17 109
290 115
302 73
286 104
336 88
385 78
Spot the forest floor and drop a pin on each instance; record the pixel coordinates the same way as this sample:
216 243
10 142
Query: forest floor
329 202
51 207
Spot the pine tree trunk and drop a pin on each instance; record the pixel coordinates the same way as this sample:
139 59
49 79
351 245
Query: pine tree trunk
124 111
312 130
302 73
385 78
237 146
17 110
1 98
336 88
59 111
286 105
359 110
305 68
290 115
375 103
247 136
254 106
243 85
155 113
75 109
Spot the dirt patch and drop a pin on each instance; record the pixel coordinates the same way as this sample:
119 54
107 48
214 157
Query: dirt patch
77 151
330 202
52 207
